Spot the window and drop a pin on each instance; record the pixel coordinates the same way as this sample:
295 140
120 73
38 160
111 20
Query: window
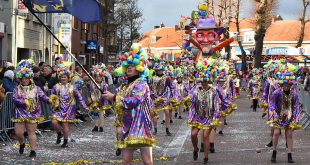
153 39
248 37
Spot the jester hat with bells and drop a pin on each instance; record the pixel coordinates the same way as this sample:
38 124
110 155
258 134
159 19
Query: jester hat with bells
135 57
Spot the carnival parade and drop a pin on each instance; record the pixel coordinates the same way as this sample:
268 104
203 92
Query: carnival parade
199 108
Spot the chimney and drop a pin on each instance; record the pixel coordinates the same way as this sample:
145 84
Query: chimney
162 25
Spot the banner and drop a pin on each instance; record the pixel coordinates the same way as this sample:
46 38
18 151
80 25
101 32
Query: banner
63 21
87 11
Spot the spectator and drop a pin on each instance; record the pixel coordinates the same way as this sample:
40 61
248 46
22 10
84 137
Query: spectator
2 93
42 65
8 83
50 80
109 77
38 79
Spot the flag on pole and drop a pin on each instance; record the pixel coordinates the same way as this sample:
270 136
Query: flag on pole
87 11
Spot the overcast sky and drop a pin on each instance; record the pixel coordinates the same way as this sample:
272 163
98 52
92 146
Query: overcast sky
169 11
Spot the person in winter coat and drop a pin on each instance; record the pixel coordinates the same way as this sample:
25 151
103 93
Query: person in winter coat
8 83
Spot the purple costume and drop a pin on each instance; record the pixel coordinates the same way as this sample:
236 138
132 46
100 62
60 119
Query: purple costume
133 108
161 92
97 101
226 105
254 90
270 87
283 110
205 108
68 96
31 113
180 93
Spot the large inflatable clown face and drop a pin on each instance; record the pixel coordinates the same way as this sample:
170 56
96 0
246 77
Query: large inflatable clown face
206 38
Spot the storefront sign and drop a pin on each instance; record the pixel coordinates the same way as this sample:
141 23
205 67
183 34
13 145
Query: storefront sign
22 9
91 46
63 21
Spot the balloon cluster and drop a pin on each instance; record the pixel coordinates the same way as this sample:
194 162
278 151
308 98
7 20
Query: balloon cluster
98 70
221 76
287 74
206 70
135 57
159 62
24 69
64 69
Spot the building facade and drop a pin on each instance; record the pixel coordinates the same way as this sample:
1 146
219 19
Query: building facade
22 36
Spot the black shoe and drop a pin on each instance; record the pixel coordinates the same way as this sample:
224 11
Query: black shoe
21 148
171 121
264 114
95 129
175 115
202 148
155 131
65 144
168 132
118 152
32 154
251 106
269 144
180 117
212 150
225 123
289 158
221 132
59 136
101 129
195 154
205 161
25 134
274 156
163 122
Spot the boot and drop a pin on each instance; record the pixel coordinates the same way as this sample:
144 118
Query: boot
155 131
220 132
269 144
168 132
32 154
195 154
95 129
163 122
205 161
274 156
212 150
118 152
202 147
180 117
21 148
101 129
175 115
171 121
59 136
225 123
65 144
289 158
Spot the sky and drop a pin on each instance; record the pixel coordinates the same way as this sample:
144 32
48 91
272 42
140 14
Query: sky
170 11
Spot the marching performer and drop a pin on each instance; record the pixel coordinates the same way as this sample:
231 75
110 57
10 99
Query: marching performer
161 92
180 93
64 98
205 108
133 104
27 97
254 87
97 103
283 109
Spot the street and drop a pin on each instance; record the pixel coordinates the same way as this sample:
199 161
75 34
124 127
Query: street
246 132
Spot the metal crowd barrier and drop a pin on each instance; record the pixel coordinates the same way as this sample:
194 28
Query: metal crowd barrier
304 100
7 112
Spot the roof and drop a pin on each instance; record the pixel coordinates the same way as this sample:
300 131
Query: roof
247 23
166 37
286 30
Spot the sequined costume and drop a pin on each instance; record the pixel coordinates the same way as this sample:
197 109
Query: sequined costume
180 93
161 91
226 104
283 110
205 108
133 105
97 101
270 86
27 100
68 96
254 91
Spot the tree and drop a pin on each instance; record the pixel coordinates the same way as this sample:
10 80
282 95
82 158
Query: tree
243 53
303 22
263 14
129 20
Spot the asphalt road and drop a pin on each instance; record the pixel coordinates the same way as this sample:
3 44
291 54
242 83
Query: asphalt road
246 131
